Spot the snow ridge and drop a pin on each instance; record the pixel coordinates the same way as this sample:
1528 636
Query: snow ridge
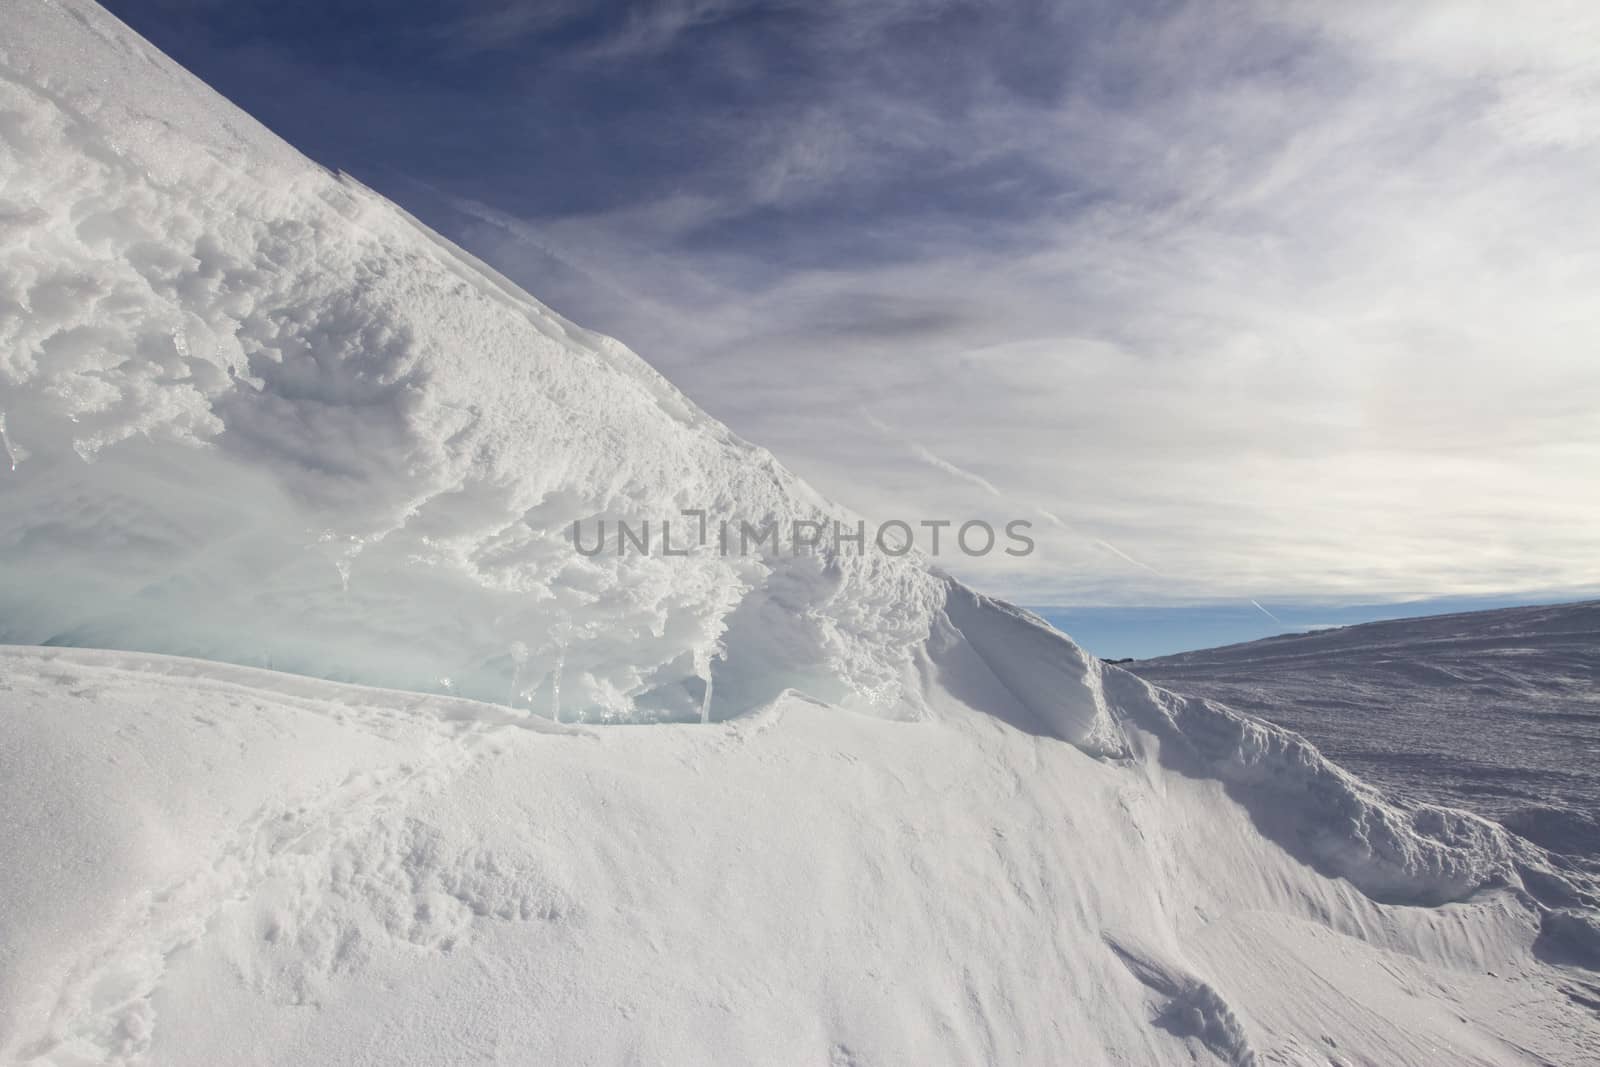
1422 854
265 417
1419 854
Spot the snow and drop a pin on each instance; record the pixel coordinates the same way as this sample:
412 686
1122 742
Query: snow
261 417
295 871
1520 688
270 419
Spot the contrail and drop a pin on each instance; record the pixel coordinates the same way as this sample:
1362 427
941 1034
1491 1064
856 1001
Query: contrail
1268 614
951 469
940 463
927 456
1115 551
1097 541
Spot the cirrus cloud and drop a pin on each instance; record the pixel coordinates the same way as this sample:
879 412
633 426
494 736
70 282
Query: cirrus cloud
1281 301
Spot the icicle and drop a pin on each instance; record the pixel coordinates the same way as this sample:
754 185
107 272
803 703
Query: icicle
555 683
519 656
343 556
702 667
13 453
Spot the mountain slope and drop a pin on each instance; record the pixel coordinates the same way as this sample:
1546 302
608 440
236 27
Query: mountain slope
258 415
1496 711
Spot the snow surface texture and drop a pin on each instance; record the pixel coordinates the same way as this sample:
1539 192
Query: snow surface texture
1520 688
257 414
291 871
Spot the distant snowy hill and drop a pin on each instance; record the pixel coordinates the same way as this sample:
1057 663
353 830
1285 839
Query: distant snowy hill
1497 711
254 414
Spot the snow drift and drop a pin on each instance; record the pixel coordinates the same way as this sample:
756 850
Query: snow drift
229 866
1520 687
256 414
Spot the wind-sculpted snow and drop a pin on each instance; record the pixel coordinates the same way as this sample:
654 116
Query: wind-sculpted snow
261 415
219 865
1415 854
1421 854
1519 690
253 413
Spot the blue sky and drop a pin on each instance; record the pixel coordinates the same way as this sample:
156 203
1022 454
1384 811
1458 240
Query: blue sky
1142 632
1236 302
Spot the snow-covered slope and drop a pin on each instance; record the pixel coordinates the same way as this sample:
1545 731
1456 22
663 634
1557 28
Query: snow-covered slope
256 414
1496 711
226 866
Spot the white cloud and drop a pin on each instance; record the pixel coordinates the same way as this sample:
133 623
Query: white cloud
1319 325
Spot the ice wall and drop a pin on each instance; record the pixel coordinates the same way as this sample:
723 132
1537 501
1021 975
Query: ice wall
256 413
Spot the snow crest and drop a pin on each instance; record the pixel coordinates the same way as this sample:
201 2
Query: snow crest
1421 854
258 414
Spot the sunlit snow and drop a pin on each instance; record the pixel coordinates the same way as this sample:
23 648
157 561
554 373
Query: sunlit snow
260 417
